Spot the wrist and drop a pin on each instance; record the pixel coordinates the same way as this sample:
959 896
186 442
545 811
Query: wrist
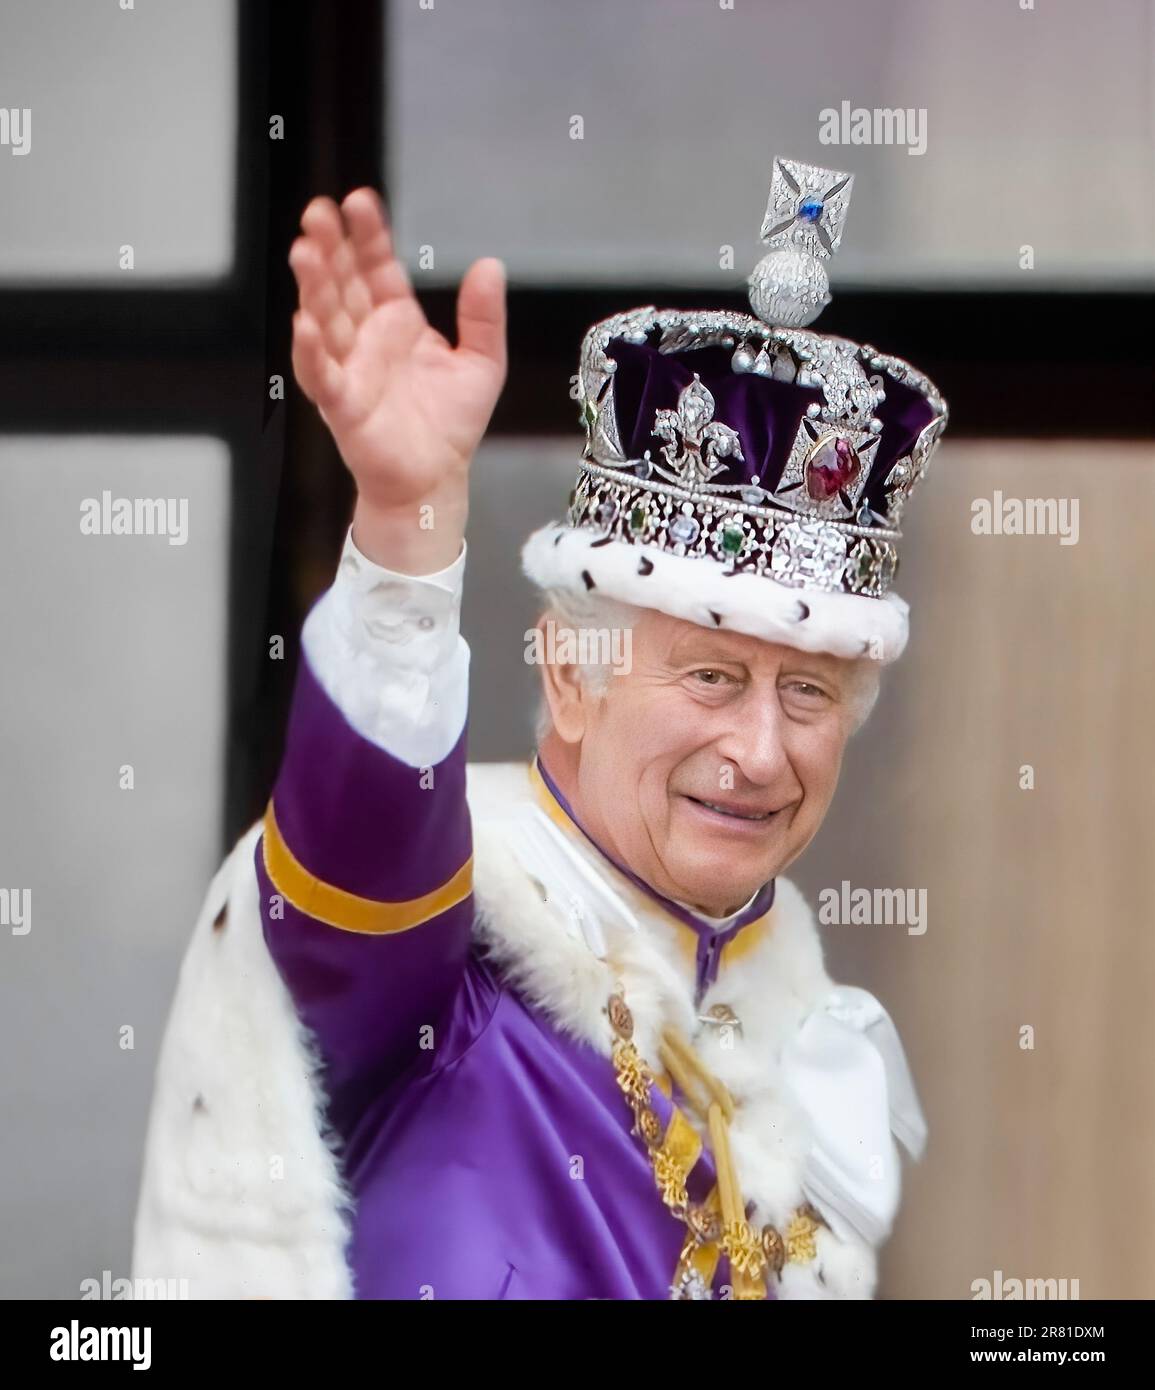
418 537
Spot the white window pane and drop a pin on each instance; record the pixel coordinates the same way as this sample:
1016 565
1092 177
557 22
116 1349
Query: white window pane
132 140
114 655
1038 133
521 484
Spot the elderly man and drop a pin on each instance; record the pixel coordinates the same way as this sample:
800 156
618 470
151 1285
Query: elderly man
560 1030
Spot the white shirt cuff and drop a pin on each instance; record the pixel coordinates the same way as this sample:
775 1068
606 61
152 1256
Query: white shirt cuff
387 650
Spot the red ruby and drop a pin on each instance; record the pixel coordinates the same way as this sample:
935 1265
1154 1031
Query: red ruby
832 467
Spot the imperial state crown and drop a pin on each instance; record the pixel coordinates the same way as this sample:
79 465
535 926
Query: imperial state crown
744 470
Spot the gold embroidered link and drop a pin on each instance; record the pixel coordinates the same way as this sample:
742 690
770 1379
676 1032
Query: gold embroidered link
670 1178
801 1247
744 1248
632 1072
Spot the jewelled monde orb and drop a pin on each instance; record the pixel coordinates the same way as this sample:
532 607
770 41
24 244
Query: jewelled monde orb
788 288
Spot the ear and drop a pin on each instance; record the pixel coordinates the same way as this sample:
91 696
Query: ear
566 693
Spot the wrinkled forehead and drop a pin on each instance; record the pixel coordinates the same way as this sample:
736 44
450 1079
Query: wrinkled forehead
676 641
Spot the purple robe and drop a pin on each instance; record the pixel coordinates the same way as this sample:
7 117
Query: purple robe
497 1162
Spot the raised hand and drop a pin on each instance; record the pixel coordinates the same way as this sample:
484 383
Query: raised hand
406 408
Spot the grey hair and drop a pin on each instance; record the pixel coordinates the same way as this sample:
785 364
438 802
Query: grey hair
573 609
865 687
570 608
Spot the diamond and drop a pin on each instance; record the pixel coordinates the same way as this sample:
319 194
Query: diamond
691 1287
684 530
808 555
604 516
696 443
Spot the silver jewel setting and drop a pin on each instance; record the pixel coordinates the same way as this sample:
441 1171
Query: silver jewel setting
691 1287
697 446
795 551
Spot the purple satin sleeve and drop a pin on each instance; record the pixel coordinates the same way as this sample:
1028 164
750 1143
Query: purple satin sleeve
362 821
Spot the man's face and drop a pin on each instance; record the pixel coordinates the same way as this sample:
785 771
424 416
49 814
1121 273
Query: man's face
708 768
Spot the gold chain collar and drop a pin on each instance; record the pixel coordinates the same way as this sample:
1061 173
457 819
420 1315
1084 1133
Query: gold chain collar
718 1225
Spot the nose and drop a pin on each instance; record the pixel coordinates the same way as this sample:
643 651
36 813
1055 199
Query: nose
755 741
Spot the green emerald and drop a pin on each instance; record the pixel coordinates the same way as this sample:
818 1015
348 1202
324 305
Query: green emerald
732 538
863 563
638 519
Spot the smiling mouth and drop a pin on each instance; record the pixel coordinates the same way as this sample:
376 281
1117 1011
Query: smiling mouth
731 811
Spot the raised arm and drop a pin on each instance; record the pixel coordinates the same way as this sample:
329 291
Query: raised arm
364 865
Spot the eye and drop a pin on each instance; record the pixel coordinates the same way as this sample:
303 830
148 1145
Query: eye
711 677
810 692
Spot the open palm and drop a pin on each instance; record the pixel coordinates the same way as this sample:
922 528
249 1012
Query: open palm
406 408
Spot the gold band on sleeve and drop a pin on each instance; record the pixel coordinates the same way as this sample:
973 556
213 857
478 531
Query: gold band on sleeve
347 911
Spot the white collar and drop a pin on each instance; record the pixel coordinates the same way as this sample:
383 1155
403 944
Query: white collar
718 923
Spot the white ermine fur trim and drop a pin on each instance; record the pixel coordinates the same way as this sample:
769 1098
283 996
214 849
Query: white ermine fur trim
699 590
241 1193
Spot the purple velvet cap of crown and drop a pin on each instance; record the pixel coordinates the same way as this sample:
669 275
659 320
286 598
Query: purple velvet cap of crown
764 413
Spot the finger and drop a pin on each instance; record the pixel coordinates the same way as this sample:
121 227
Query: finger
372 242
321 220
481 311
321 295
323 224
316 372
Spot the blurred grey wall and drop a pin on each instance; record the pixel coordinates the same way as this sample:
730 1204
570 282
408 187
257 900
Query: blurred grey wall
114 645
1038 129
132 141
112 708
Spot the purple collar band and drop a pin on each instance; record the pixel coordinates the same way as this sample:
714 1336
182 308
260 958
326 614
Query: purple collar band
711 941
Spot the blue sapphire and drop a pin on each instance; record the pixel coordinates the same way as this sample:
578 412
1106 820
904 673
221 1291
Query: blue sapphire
810 209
